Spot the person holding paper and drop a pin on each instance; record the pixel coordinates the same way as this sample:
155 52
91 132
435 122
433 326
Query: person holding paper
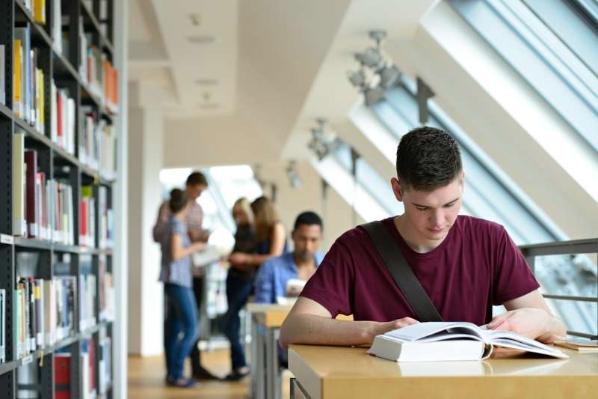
180 327
464 264
195 185
285 275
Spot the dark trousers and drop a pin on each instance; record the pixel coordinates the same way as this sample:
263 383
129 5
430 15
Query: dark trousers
180 327
238 288
195 354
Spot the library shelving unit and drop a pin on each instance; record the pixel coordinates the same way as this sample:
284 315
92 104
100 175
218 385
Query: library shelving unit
58 170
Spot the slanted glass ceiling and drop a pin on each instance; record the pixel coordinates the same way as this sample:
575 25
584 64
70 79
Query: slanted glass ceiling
369 194
553 46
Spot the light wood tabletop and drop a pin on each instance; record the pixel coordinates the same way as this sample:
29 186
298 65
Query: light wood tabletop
341 372
271 316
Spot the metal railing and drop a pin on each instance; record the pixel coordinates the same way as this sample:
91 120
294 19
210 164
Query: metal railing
576 247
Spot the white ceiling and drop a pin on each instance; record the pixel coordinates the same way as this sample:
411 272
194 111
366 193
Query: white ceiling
189 49
264 67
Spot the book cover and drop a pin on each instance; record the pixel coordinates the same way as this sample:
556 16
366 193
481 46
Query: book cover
32 208
19 170
62 375
2 325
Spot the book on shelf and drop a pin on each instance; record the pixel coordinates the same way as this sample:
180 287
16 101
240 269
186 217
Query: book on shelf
62 375
39 11
44 311
98 73
2 325
106 291
87 296
89 139
2 75
451 341
88 365
56 30
19 173
107 149
28 97
87 213
104 364
37 199
62 111
27 381
105 219
110 86
61 213
42 208
17 81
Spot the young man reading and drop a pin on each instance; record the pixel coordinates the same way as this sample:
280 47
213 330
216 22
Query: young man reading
464 264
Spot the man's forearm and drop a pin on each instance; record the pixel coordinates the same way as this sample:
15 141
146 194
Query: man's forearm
310 329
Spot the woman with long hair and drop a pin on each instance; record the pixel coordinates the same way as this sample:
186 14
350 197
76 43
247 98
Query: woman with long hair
268 240
181 320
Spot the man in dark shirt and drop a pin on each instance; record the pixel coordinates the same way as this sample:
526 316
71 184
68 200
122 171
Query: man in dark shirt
464 264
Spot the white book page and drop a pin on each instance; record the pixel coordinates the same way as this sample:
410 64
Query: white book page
436 331
510 339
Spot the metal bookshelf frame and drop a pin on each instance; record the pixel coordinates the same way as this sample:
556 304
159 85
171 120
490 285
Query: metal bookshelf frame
57 164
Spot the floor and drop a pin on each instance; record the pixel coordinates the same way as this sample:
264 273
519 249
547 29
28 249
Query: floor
146 380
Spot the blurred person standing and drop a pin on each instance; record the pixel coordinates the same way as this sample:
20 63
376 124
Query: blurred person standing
270 241
180 327
195 185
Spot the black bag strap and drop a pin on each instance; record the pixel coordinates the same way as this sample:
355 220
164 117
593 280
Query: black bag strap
402 273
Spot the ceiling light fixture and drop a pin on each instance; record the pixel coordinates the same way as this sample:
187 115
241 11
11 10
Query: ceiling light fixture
201 39
322 143
375 74
294 179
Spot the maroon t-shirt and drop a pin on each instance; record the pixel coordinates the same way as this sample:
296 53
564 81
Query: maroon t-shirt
476 266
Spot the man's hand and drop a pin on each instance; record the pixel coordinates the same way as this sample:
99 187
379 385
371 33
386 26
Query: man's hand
198 235
384 327
530 322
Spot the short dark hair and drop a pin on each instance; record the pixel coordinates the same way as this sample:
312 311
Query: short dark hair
177 201
196 178
427 158
308 218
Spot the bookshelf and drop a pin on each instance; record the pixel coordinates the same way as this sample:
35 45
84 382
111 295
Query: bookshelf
58 177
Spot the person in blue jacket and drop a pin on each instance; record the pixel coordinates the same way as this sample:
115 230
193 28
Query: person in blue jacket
284 276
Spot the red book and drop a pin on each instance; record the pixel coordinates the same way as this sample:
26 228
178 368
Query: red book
60 118
44 207
32 216
62 376
83 222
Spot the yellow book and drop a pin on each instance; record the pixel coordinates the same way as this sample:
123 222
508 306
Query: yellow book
16 84
40 100
39 11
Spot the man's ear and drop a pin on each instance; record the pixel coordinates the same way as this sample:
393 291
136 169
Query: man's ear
396 189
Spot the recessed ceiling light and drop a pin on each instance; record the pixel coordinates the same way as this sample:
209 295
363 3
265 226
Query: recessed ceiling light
201 39
206 82
209 106
195 19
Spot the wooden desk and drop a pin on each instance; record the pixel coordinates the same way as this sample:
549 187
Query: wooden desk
266 320
340 372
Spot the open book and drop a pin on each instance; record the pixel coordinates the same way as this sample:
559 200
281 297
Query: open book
442 341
